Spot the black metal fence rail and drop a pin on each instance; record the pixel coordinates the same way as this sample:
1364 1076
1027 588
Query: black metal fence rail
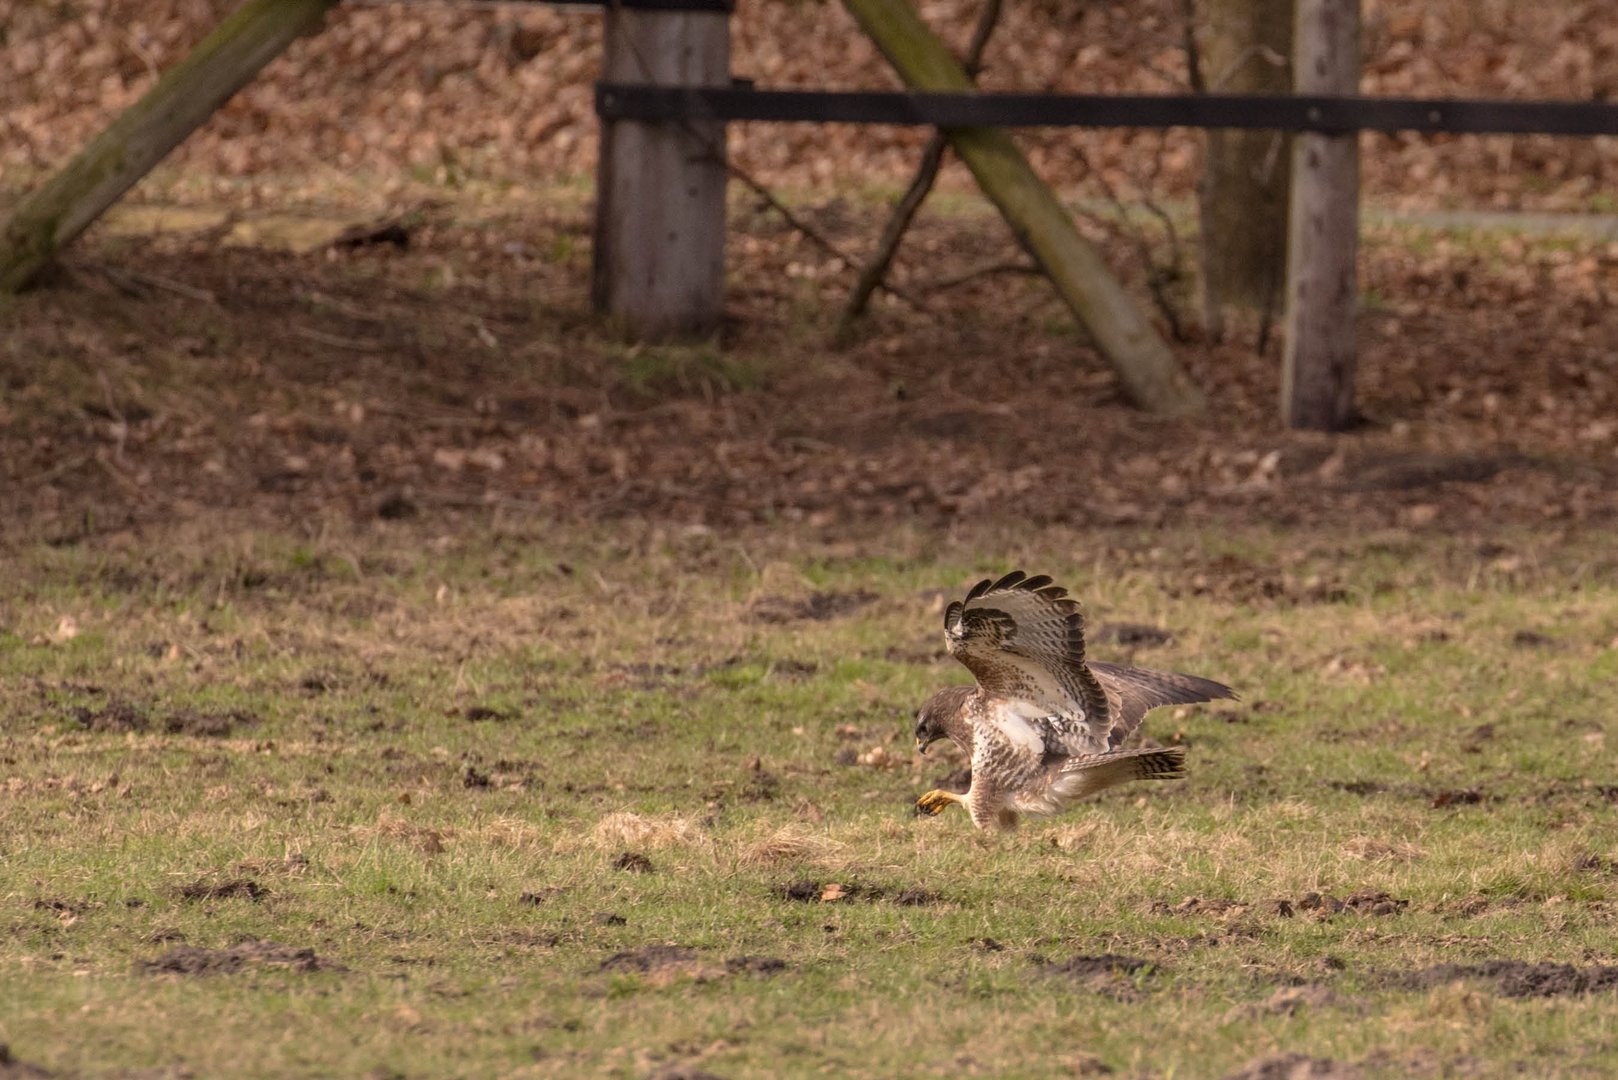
640 5
1331 115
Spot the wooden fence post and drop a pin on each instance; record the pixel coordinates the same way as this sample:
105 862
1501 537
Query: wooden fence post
1317 379
226 60
659 258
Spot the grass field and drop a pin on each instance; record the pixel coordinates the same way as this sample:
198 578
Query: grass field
507 801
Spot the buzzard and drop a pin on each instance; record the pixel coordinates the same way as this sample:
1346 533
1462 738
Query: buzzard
1043 727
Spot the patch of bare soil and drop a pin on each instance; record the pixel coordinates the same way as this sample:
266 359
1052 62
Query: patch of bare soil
816 607
258 401
207 724
755 965
1131 635
1314 904
12 1068
649 958
233 889
811 891
1294 1066
120 715
477 713
116 715
1365 902
541 895
1116 977
634 862
1286 1001
1437 798
1517 978
194 960
683 1071
803 892
1088 967
678 961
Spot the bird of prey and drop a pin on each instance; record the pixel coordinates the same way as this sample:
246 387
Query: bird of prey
1043 726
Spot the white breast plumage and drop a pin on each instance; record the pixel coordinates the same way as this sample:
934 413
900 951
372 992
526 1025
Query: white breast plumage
1013 719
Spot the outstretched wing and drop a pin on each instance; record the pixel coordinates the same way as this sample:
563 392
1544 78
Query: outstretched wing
1133 692
1023 639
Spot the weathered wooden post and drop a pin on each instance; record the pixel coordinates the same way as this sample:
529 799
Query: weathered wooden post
1242 199
57 211
1317 380
659 259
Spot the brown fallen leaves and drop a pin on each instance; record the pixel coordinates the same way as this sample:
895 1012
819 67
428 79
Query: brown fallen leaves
452 90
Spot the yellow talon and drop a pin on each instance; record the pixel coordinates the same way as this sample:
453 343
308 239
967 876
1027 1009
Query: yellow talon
935 801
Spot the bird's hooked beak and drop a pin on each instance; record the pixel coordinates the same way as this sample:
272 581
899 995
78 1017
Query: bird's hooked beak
924 741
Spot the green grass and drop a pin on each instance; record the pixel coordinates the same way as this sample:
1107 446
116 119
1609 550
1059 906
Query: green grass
658 692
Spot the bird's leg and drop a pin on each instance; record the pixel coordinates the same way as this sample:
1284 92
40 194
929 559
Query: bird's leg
936 800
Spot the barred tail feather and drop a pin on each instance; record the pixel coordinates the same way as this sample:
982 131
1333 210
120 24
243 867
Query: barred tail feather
1080 776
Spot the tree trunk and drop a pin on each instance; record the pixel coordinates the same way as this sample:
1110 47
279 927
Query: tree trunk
1150 376
60 209
1246 48
1317 381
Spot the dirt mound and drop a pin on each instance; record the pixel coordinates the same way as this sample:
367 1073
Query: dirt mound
816 607
808 890
13 1069
193 960
664 963
649 958
1295 1067
683 1071
1314 904
1090 967
1365 902
120 715
233 889
1286 1001
1518 978
633 862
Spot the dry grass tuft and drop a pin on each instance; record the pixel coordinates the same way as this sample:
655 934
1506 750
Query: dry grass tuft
1373 849
511 832
794 844
624 829
423 838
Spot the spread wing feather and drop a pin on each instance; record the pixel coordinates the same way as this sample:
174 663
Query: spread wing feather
1023 639
1133 692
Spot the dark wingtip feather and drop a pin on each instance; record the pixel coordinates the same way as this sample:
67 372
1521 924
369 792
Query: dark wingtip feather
952 614
1010 581
979 589
1035 583
1216 691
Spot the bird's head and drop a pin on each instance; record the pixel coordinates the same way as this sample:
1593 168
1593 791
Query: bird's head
940 717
